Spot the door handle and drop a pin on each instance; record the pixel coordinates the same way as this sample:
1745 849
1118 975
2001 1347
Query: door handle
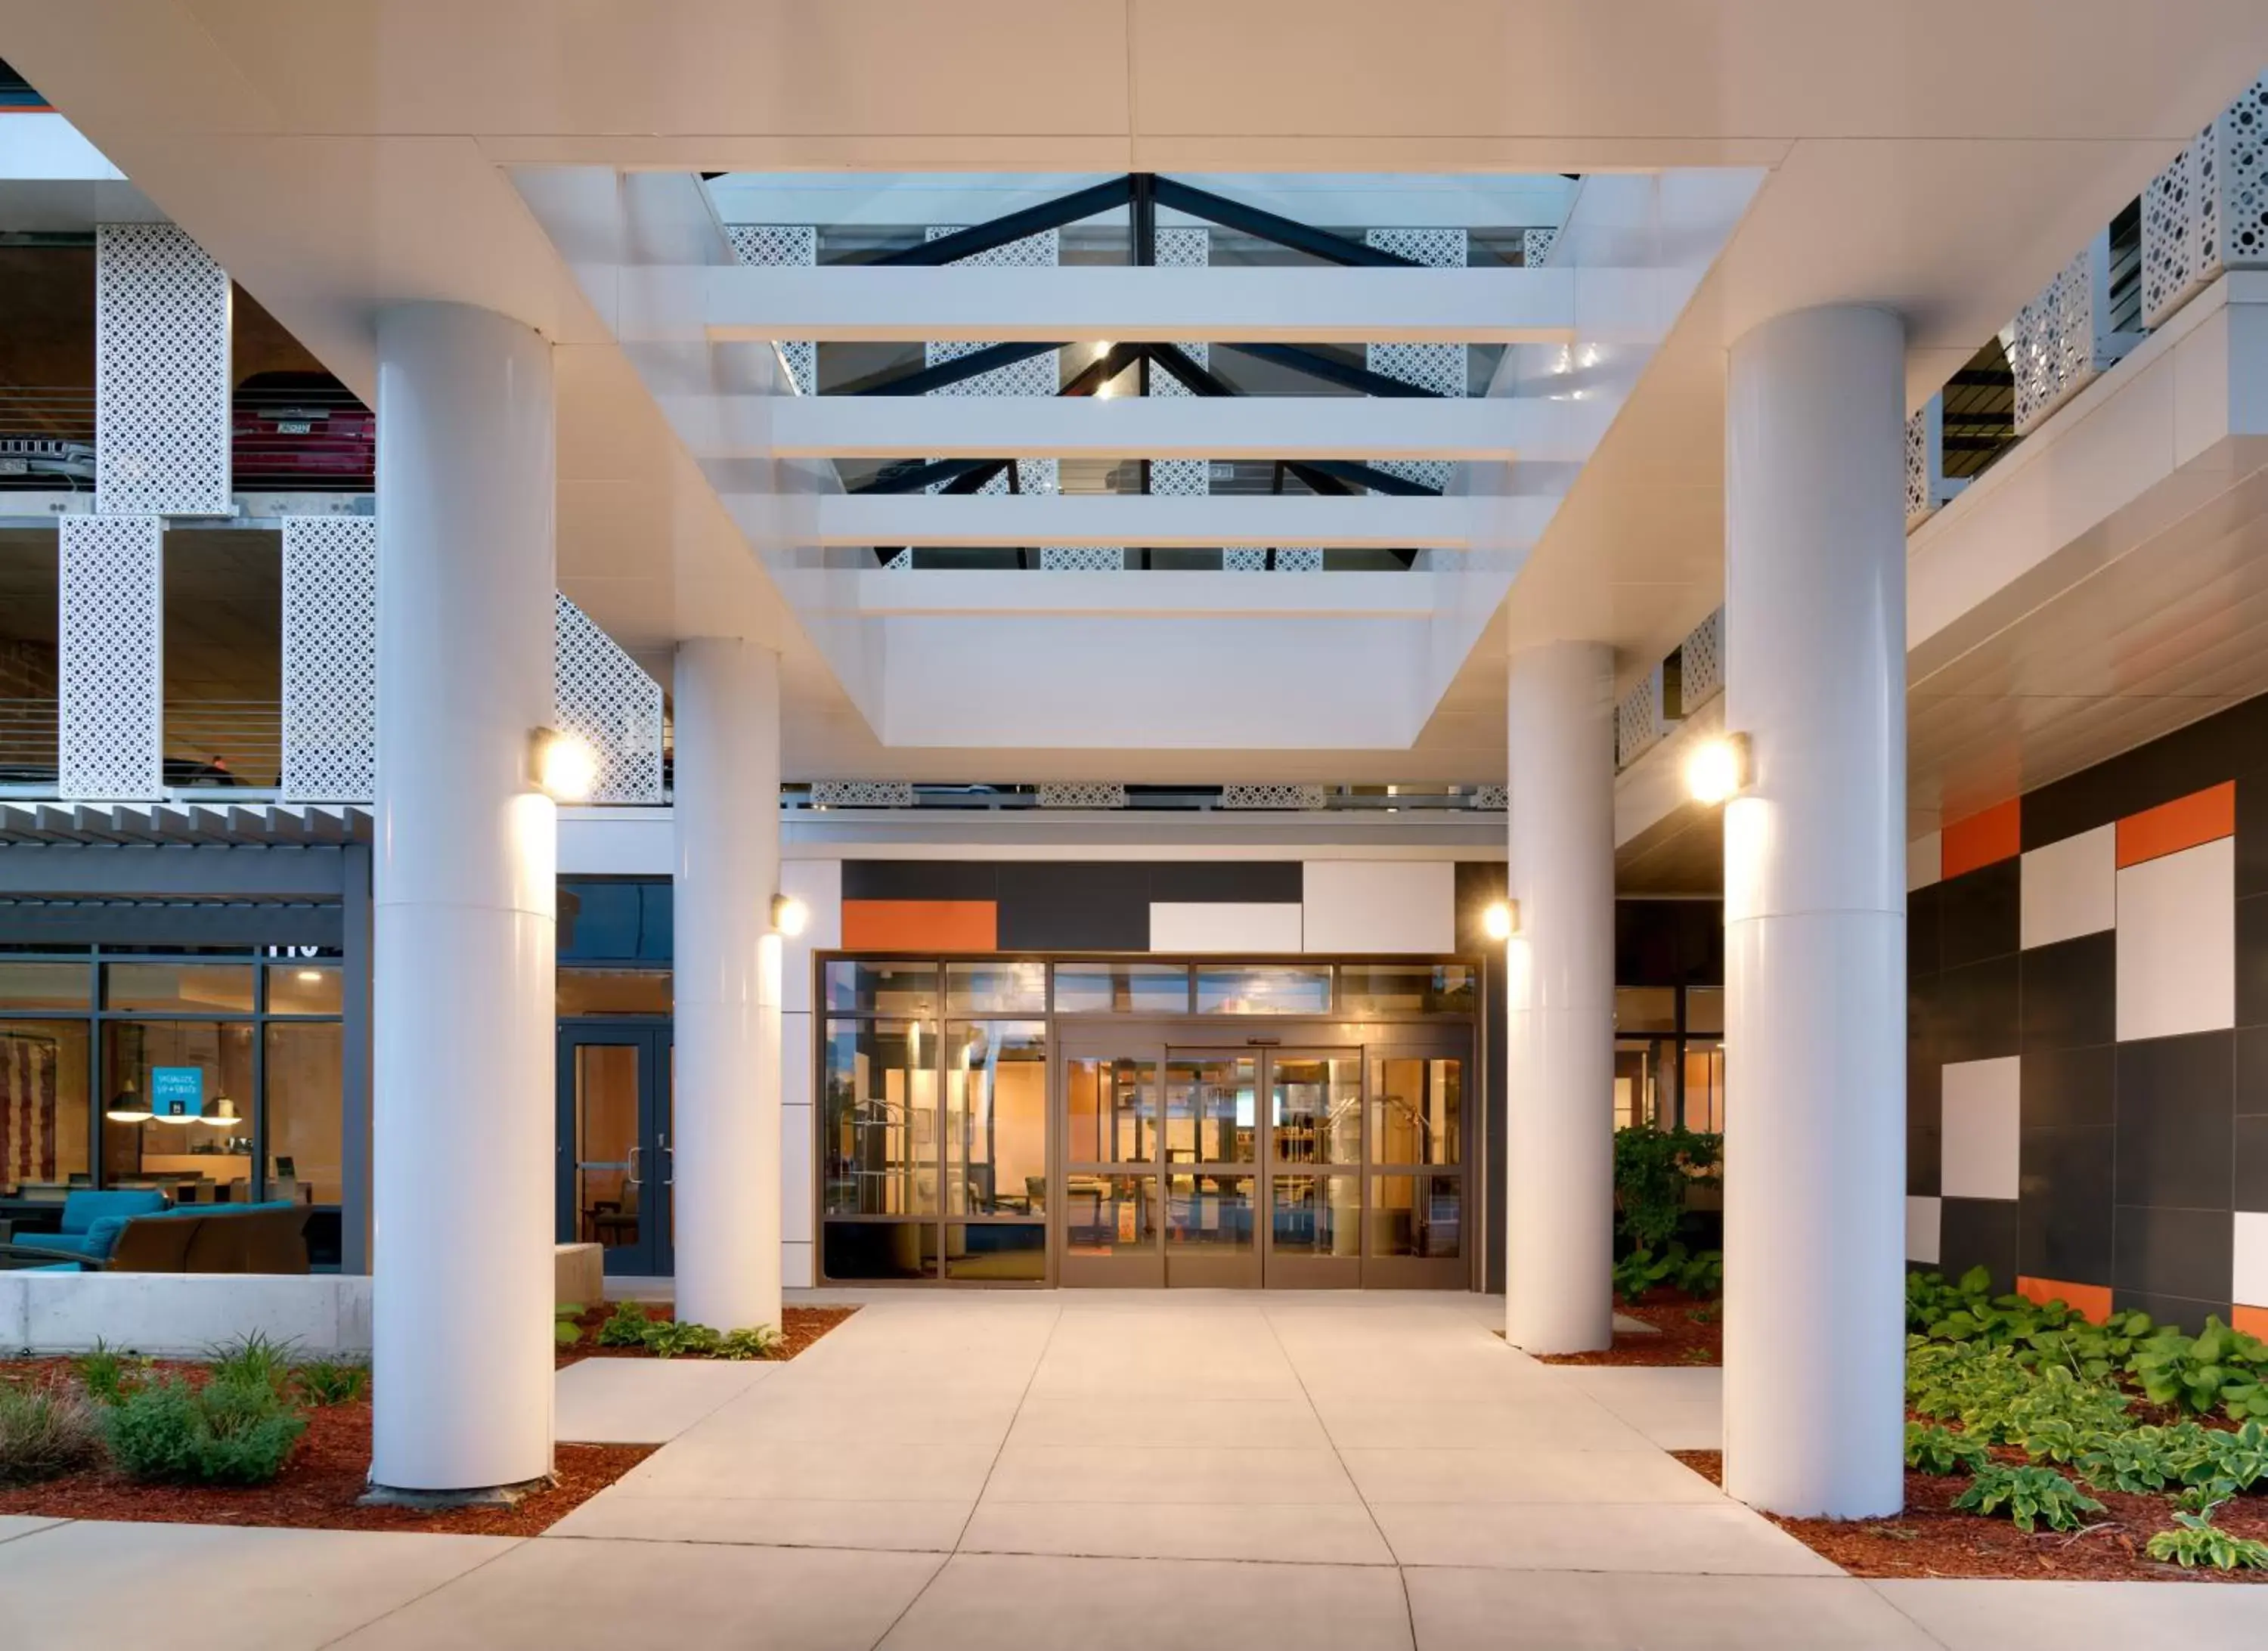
668 1162
635 1173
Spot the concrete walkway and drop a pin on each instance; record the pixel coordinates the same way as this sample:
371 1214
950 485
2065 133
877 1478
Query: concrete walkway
1110 1470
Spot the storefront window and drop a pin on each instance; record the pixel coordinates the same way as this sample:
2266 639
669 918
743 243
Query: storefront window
176 1108
1264 989
1121 989
857 988
178 988
1394 988
613 991
1645 1009
880 1084
305 1061
305 989
996 1138
1003 988
45 986
43 1107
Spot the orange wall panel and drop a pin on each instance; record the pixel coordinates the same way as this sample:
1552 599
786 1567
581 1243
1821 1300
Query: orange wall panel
2092 1300
921 925
1982 839
2253 1321
2170 828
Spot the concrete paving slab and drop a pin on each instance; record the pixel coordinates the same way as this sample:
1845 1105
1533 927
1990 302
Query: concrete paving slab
1454 1609
1721 1538
1969 1615
645 1401
984 1602
549 1593
99 1583
1164 1419
838 1468
1128 1473
1318 1535
772 1522
15 1525
1524 1476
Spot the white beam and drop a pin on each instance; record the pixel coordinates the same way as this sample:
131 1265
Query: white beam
976 592
1130 518
1087 302
1178 427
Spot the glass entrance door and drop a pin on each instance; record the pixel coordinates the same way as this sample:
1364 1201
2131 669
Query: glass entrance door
1314 1168
614 1151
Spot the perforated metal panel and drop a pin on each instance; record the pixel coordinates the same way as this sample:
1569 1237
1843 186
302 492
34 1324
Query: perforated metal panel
1918 467
1701 664
2209 211
2052 355
1289 559
1190 248
1640 725
1535 245
161 374
110 717
862 794
1307 798
600 693
1082 795
1082 558
1033 375
1498 797
330 658
1441 368
773 246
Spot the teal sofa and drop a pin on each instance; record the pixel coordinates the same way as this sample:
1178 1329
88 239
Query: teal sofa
92 1222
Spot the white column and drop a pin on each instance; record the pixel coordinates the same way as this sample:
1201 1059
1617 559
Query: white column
1814 915
726 1154
1560 972
463 1105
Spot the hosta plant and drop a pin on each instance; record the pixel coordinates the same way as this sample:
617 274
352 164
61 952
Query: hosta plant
2217 1368
669 1338
760 1342
2029 1496
1941 1451
2136 1461
624 1327
2197 1540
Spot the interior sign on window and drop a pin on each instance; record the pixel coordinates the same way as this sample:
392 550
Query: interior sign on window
177 1092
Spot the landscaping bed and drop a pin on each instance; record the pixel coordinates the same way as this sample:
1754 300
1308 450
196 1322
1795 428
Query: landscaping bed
1688 1330
1933 1538
800 1327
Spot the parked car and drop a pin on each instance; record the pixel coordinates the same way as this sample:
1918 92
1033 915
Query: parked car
302 432
45 463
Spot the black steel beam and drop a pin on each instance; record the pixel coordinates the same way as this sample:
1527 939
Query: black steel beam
1103 368
1284 231
922 380
914 478
1371 477
980 237
1330 369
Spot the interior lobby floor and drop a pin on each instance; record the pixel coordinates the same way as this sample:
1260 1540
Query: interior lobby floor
1103 1469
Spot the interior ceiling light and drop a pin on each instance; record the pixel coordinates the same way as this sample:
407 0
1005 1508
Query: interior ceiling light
1718 770
311 977
564 766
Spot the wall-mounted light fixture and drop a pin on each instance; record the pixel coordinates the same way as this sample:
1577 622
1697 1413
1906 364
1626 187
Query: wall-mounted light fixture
790 915
1718 770
563 766
1501 920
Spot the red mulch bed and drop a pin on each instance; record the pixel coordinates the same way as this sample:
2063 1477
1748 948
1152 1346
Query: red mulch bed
800 1327
1931 1539
1679 1337
319 1488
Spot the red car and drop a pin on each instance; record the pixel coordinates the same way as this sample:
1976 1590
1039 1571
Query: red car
302 433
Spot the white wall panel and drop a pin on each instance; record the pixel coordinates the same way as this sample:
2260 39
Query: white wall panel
796 1147
1227 926
1922 1221
796 1059
1924 861
819 885
616 843
2178 943
1381 906
1981 1129
798 1269
2249 1283
2071 888
111 663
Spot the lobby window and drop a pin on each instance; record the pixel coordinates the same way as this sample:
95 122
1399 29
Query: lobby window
1669 1057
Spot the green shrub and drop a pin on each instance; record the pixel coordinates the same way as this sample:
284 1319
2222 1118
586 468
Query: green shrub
2027 1495
326 1381
2217 1368
1941 1451
253 1361
624 1327
228 1432
761 1342
45 1432
1653 1171
1640 1270
2199 1540
2137 1461
565 1332
667 1338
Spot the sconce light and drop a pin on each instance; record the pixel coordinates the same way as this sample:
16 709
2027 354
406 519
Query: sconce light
564 765
789 914
1501 920
1718 770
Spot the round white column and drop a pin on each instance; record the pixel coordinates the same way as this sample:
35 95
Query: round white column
463 896
726 1153
1560 1028
1814 915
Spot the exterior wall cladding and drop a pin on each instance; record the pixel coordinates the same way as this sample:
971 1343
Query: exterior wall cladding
2087 1038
